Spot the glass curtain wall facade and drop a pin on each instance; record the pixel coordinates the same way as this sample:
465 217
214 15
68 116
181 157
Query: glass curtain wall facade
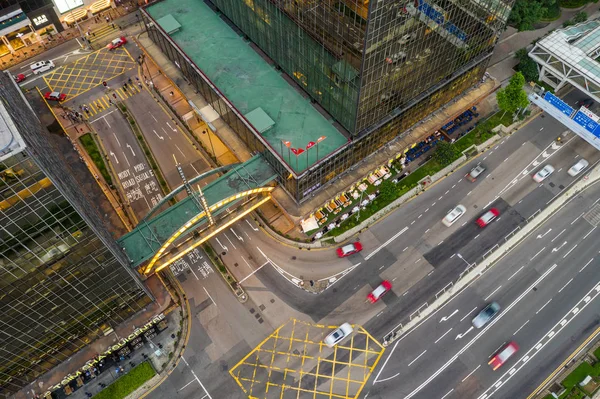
377 67
25 5
63 279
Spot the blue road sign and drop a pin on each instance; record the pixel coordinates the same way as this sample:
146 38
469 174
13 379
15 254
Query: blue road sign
558 103
587 123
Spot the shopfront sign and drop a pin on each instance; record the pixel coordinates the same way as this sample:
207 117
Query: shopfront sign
40 20
121 343
67 5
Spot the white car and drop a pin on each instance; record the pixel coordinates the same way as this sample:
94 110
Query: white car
454 215
543 173
578 167
338 334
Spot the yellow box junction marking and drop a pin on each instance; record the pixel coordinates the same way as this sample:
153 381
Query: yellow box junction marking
90 71
293 362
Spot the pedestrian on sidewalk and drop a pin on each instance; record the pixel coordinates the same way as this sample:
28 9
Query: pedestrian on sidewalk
112 24
125 86
171 93
139 85
108 20
129 80
115 95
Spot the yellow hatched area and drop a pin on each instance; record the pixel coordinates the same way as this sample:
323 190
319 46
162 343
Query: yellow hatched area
90 71
102 104
293 362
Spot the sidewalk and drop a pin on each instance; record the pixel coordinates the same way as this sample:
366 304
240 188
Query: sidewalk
163 302
503 60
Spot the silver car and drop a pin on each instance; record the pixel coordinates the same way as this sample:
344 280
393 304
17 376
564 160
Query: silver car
486 315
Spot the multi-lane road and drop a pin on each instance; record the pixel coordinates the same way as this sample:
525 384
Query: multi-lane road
548 289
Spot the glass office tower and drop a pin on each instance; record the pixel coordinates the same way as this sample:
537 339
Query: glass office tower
376 66
63 279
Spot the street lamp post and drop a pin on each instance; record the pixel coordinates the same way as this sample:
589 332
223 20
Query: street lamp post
87 45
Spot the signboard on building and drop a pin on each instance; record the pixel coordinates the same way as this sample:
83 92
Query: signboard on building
558 103
43 17
40 20
64 6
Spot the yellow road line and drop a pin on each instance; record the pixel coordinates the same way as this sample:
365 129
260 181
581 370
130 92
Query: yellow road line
563 364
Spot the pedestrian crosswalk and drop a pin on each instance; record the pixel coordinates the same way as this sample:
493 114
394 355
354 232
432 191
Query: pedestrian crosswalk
98 34
110 98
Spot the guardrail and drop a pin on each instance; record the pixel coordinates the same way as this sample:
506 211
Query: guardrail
397 331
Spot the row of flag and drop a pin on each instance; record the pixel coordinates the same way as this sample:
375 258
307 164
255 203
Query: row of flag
298 151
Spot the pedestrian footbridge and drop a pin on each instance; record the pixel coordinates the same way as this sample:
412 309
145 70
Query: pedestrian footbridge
246 185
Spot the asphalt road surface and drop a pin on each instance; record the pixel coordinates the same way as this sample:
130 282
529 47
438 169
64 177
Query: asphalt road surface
139 185
548 290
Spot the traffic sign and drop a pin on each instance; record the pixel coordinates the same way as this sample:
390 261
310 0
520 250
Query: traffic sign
587 123
558 103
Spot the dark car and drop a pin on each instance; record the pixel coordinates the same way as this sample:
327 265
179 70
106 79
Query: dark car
585 102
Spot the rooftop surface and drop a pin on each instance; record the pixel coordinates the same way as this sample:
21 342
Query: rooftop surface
10 139
248 81
147 238
577 46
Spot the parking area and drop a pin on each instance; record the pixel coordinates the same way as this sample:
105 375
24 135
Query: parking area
293 362
90 71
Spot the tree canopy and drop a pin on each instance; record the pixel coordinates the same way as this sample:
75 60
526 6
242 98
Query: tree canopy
513 96
526 66
526 13
445 153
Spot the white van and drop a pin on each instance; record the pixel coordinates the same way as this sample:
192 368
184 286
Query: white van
41 66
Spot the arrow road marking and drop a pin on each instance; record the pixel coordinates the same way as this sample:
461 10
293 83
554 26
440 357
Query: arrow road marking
543 235
132 153
171 127
222 246
235 234
160 137
459 336
250 224
112 154
562 245
448 317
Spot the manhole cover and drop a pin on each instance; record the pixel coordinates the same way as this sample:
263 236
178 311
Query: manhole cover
551 184
235 264
561 187
272 300
188 271
334 289
293 258
252 310
262 307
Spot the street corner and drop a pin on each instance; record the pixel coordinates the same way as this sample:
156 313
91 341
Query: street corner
88 72
293 362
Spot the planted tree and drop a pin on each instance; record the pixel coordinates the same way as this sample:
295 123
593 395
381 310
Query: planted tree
445 153
513 97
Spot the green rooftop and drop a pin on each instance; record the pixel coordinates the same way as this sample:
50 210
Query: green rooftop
248 81
147 238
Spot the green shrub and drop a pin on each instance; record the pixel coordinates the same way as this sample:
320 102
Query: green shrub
90 146
128 383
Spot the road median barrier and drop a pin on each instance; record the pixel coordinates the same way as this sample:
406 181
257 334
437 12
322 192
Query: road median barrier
474 271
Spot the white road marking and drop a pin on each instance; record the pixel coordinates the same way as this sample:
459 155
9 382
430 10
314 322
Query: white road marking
231 242
369 256
441 242
471 373
564 286
413 222
447 192
211 298
493 292
550 300
558 235
468 313
440 338
539 252
520 328
250 267
186 385
417 358
512 275
196 377
440 197
589 261
404 249
421 215
570 250
469 193
464 223
577 218
434 204
449 392
460 336
590 232
476 236
427 231
381 267
445 318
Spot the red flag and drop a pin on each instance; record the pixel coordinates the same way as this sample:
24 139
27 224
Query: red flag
321 139
297 151
287 143
310 145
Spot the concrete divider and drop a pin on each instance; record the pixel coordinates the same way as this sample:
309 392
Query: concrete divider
491 257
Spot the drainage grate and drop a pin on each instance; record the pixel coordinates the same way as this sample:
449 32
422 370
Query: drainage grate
593 215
